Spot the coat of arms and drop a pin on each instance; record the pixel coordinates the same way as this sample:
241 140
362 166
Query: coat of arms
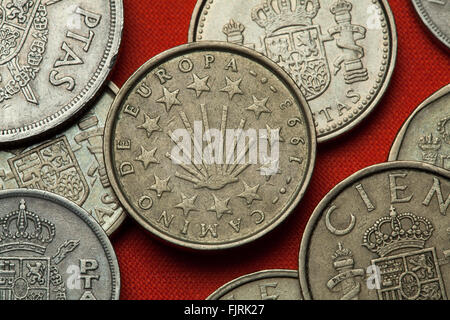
297 44
434 148
30 277
412 274
51 167
23 42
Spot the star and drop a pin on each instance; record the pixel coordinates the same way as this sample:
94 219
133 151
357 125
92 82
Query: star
220 207
187 204
170 99
161 186
259 107
232 88
147 157
250 194
150 125
200 85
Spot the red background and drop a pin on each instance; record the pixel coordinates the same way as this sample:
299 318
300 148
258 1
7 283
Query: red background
153 270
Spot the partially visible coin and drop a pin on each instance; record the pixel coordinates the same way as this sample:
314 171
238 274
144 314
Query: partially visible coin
425 136
209 145
51 249
54 57
341 53
383 233
70 165
436 16
262 285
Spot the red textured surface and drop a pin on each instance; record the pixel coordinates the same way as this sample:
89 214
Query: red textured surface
153 270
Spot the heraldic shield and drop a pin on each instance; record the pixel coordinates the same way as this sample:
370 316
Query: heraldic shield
16 19
24 278
411 276
51 167
300 51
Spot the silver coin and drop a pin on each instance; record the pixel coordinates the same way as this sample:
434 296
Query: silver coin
436 16
70 165
262 285
425 136
51 249
383 233
341 53
55 56
209 145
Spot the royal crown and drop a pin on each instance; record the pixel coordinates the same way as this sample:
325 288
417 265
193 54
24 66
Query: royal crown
397 231
234 32
430 143
25 230
341 7
273 15
343 258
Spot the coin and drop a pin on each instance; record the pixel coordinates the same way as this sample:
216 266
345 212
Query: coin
425 136
51 249
209 145
55 56
383 233
340 53
70 165
262 285
436 15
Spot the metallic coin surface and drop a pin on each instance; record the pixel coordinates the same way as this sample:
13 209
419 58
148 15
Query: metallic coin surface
425 136
436 16
70 165
383 233
262 285
51 249
209 145
341 53
54 57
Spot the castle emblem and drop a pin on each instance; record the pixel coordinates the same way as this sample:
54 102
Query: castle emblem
23 27
30 277
51 167
412 274
297 44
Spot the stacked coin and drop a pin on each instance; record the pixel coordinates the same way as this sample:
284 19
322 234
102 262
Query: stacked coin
56 56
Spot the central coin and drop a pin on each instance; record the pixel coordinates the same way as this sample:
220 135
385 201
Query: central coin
210 145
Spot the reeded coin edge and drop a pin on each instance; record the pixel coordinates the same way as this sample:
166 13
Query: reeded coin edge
324 203
391 62
124 92
396 146
426 19
87 94
233 284
85 217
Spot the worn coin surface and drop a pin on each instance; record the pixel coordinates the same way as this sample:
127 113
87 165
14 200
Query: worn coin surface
341 53
262 285
383 233
209 145
70 165
425 136
436 16
51 249
54 57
